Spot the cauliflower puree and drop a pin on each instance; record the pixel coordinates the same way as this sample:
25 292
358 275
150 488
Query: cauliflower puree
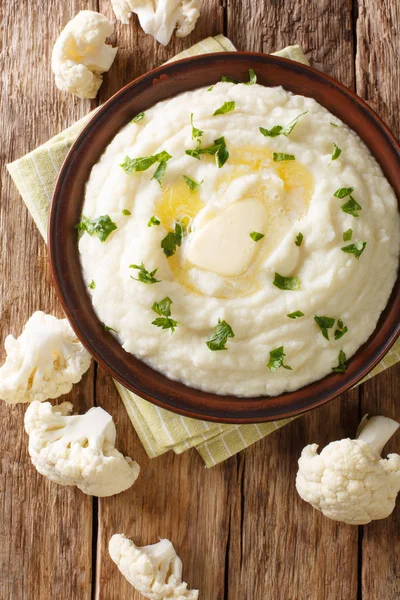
278 246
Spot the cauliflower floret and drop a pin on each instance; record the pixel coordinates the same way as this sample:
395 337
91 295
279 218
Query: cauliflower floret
159 18
78 450
155 571
44 362
80 54
349 481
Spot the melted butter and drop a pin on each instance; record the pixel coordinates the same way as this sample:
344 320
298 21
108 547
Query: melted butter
282 207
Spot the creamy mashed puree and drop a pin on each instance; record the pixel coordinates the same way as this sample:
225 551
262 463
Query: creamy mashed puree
301 203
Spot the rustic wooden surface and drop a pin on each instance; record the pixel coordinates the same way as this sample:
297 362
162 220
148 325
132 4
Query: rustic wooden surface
241 529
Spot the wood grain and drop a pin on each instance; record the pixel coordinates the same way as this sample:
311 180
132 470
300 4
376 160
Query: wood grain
240 528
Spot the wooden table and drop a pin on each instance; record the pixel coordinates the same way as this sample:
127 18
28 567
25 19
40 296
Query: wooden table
240 528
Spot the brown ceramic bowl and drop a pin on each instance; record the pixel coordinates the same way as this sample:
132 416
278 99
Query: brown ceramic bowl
66 209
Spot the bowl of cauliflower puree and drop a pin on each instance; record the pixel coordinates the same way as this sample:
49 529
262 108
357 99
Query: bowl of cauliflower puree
225 237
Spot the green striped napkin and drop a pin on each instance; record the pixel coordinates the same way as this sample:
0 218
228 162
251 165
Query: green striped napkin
159 430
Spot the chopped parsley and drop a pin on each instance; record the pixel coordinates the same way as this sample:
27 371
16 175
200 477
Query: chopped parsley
210 88
163 308
196 133
347 235
256 236
126 212
351 207
102 227
336 152
153 221
138 117
343 192
222 332
192 184
342 366
107 328
281 129
92 285
225 108
334 124
325 323
252 79
142 164
295 315
218 149
227 79
160 171
276 358
144 275
279 156
357 249
341 330
172 240
286 283
299 239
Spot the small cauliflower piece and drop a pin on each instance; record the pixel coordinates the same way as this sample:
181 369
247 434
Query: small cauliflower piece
159 18
155 571
349 481
78 449
44 362
80 55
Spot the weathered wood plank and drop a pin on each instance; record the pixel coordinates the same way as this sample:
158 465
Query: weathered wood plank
323 29
46 530
175 496
378 82
381 539
377 59
280 546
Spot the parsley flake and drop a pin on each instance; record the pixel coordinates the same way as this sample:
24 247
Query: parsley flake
210 88
92 285
227 79
144 275
196 133
334 124
225 108
357 249
347 235
222 332
153 221
276 358
193 185
256 236
107 328
286 283
324 323
295 315
336 152
102 227
342 366
138 117
252 78
351 207
163 308
281 129
341 330
299 239
279 156
126 212
142 164
218 149
172 240
343 192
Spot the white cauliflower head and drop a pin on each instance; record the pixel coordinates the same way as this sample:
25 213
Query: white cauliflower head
80 55
79 449
155 571
349 481
44 362
159 18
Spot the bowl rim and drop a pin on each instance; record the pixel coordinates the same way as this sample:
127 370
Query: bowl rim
260 411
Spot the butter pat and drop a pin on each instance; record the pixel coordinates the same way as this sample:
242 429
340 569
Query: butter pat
224 246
